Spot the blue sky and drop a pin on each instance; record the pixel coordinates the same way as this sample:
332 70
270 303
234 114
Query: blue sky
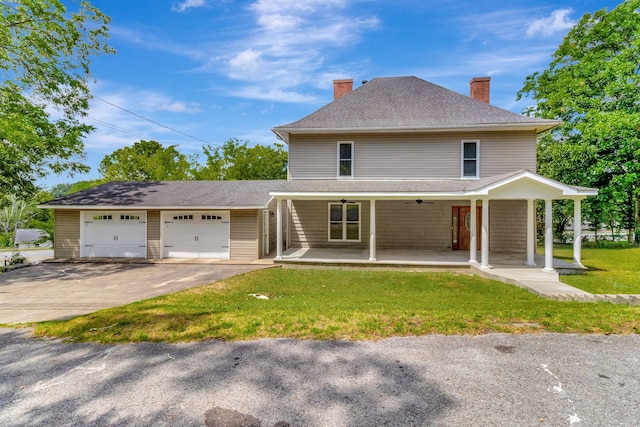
218 69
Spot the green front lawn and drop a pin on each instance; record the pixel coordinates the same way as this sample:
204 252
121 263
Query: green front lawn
342 304
611 271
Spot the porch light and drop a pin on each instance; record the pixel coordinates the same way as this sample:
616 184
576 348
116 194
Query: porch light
419 201
343 201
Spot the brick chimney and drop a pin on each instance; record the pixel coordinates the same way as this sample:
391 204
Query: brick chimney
342 87
479 88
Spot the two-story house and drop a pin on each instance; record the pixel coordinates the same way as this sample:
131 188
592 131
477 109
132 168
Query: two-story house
401 163
398 164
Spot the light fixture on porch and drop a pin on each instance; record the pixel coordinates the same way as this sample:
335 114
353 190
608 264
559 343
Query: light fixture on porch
419 201
343 201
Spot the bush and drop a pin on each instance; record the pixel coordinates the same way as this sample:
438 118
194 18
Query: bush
608 244
6 240
17 258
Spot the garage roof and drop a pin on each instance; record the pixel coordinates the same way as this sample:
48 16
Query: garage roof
171 194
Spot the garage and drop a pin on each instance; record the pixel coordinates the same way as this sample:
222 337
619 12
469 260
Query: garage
114 234
195 234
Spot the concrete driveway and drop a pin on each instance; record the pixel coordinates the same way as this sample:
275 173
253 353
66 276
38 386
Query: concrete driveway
64 290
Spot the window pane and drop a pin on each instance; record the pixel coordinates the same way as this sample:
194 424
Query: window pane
353 231
469 150
345 151
345 167
353 212
335 231
336 213
469 168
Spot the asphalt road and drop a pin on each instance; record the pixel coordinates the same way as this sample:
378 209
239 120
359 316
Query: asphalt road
489 380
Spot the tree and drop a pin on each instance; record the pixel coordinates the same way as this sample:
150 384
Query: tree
19 213
145 161
235 160
593 86
45 54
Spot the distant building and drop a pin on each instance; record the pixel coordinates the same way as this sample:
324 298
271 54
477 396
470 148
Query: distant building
31 238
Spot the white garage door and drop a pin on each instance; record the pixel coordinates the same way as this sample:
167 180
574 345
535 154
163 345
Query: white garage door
195 234
114 234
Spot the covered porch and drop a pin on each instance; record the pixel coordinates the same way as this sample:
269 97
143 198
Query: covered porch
372 209
409 258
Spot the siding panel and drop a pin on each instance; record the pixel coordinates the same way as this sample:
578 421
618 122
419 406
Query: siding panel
310 226
67 234
244 234
153 235
508 226
410 156
408 225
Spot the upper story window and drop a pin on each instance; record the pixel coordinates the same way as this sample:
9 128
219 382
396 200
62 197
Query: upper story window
471 159
345 159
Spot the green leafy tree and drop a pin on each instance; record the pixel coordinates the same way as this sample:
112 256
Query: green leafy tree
45 53
145 161
593 85
235 160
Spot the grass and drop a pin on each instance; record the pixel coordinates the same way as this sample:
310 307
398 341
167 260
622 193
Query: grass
341 304
611 271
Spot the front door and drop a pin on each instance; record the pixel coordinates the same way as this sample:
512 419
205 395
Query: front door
461 227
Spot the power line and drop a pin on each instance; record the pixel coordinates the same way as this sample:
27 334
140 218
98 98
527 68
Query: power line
114 127
152 121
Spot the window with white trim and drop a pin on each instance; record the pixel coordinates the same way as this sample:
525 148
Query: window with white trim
471 159
345 159
344 222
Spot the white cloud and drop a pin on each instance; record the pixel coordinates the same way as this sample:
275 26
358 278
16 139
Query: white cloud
266 94
278 45
290 45
188 4
558 21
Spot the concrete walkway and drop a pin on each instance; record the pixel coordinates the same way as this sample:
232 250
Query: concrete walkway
547 284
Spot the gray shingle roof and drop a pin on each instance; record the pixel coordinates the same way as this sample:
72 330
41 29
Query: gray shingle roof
408 103
444 188
256 194
425 186
178 194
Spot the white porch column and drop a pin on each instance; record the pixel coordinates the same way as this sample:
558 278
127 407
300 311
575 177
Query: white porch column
473 245
279 229
531 233
577 232
548 236
485 234
372 230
